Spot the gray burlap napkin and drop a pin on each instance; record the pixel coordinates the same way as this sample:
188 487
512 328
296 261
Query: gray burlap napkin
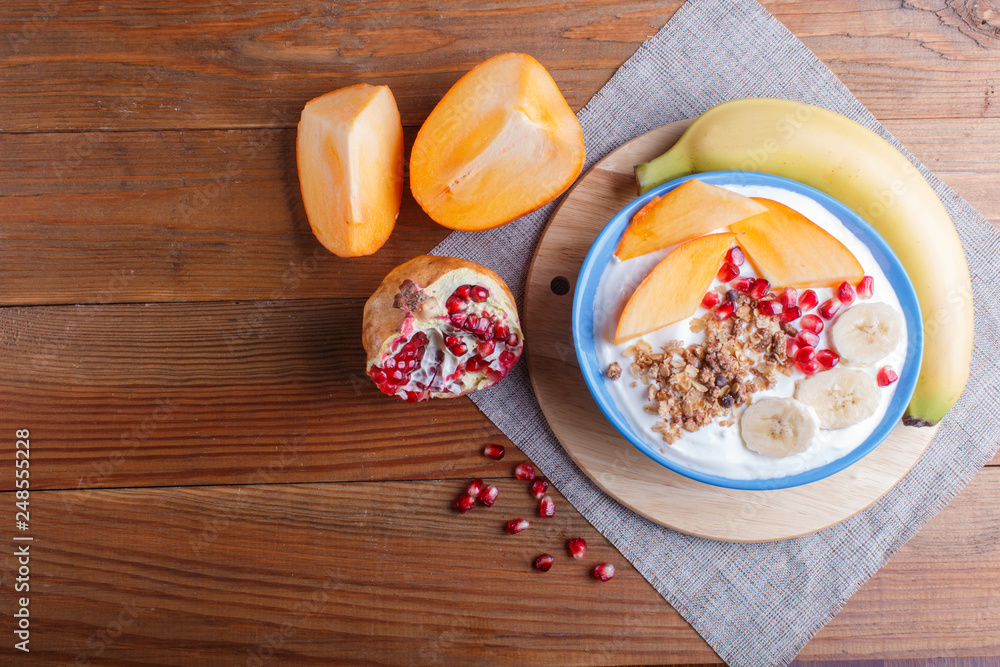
755 604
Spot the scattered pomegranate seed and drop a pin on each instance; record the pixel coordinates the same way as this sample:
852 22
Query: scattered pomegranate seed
711 300
807 338
866 288
808 367
808 300
604 571
475 487
770 307
515 526
727 272
829 308
760 288
811 323
547 507
827 358
479 293
464 503
725 311
846 293
736 256
742 284
791 347
788 297
489 495
525 472
790 314
886 376
577 547
544 563
538 488
804 355
495 451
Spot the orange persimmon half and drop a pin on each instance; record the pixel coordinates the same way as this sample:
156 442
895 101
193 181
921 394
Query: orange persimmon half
502 142
349 151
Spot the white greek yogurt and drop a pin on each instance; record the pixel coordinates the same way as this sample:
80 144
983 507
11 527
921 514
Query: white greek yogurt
714 449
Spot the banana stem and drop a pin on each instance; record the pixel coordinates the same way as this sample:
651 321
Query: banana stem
674 163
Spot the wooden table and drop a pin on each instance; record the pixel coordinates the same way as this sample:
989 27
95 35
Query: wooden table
213 478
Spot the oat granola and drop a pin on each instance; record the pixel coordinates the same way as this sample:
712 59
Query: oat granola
691 387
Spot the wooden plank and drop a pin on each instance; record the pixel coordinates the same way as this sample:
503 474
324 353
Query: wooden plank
214 64
180 394
215 215
200 575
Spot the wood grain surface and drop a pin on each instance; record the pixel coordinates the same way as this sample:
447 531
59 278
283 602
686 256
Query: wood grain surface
216 482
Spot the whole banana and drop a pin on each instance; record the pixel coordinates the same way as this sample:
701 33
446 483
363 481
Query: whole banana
847 161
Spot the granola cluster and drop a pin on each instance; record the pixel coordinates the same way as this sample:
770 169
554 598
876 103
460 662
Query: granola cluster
690 387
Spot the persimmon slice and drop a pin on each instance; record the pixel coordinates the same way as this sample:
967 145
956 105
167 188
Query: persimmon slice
350 159
500 143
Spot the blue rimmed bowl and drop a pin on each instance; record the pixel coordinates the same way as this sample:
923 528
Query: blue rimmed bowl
602 252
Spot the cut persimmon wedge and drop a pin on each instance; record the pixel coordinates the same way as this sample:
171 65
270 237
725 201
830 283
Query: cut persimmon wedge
689 210
790 250
502 142
349 151
675 287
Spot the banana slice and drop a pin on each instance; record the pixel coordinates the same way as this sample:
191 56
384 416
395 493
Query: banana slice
866 333
777 427
841 397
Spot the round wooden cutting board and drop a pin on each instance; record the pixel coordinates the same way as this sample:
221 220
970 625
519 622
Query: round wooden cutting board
617 467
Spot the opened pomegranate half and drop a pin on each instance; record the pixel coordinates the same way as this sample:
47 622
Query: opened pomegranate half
439 327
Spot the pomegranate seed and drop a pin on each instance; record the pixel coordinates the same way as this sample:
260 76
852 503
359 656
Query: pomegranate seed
866 288
525 472
846 293
790 314
760 288
500 332
805 355
769 307
538 488
507 358
742 284
494 451
711 300
577 547
378 375
513 340
829 308
544 563
808 300
604 571
811 323
462 291
808 367
464 503
725 311
454 304
791 347
736 256
475 363
807 338
515 526
489 495
886 376
727 272
485 348
479 293
476 487
827 358
547 507
458 320
788 297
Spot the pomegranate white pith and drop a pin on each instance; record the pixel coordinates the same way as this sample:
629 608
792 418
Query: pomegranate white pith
439 327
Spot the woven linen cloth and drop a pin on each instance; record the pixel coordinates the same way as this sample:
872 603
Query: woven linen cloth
755 604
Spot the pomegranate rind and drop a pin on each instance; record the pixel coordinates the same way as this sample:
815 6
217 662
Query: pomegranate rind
383 324
501 143
349 153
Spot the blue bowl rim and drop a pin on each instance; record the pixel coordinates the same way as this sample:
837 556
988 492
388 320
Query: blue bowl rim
583 327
